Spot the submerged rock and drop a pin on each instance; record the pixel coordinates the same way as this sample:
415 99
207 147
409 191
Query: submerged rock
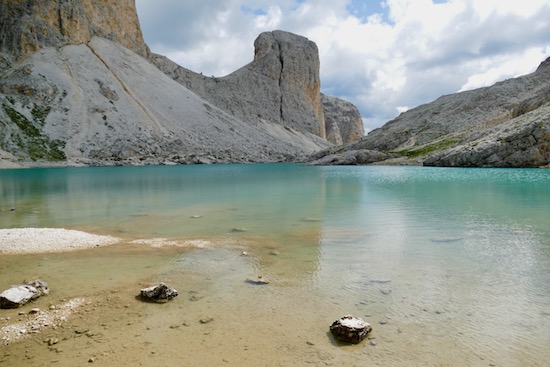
258 280
20 295
160 292
350 329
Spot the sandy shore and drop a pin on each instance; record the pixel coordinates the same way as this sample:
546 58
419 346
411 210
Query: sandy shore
38 240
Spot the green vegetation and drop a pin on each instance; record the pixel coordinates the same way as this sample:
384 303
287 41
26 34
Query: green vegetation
426 149
21 121
40 113
30 138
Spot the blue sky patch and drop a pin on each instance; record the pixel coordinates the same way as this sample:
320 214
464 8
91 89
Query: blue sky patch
254 11
362 9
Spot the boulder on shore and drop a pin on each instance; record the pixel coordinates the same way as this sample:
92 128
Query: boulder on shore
19 295
350 329
160 292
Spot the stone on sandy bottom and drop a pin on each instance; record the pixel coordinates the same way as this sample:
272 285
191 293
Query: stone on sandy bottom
258 280
19 295
350 329
160 292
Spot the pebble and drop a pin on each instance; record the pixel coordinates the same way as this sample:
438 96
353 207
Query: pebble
195 298
34 310
259 280
206 320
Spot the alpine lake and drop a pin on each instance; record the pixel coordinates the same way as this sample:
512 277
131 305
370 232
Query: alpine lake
450 266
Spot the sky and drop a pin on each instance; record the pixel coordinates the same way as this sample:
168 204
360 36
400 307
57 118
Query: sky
385 56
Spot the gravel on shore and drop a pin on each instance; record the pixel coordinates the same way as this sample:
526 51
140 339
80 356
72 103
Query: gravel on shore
34 324
38 240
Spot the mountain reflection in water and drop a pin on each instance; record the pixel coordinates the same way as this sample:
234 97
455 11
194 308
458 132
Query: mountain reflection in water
451 266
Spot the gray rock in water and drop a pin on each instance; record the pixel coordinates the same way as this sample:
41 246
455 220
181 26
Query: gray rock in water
258 280
20 295
160 292
350 329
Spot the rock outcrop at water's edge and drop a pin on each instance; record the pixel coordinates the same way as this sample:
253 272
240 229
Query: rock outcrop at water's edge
78 86
504 125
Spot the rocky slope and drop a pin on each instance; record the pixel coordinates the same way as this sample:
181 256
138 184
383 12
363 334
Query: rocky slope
78 85
281 85
504 125
91 104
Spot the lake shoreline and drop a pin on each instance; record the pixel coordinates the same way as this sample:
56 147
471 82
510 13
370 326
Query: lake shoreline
44 240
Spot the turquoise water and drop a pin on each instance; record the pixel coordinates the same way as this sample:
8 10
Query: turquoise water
451 266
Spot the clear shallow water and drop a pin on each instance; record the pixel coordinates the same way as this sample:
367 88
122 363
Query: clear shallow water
451 266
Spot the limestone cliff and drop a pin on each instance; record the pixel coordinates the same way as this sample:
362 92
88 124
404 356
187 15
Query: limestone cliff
343 121
29 25
100 103
504 125
78 85
281 85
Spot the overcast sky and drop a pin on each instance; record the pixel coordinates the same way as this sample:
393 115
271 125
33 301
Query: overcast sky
384 56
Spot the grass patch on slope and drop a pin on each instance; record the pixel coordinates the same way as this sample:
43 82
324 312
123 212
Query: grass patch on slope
30 138
426 149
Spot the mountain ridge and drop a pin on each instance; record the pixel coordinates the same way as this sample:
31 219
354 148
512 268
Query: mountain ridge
79 86
503 125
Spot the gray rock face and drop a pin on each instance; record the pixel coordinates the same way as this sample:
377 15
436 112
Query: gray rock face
342 120
348 157
101 104
281 85
27 26
505 125
514 144
74 90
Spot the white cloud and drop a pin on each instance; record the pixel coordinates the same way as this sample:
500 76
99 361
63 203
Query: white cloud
412 54
270 20
498 69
